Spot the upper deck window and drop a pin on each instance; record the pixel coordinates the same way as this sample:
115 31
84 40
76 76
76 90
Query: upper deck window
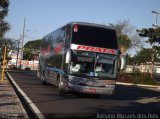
94 36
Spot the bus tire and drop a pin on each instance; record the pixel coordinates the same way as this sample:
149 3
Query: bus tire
43 82
60 88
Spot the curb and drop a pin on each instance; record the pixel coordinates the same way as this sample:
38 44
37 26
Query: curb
27 99
140 85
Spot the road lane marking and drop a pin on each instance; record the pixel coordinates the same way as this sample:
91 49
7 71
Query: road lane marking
141 85
31 104
149 100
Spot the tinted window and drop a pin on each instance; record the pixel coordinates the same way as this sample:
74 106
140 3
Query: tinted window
94 36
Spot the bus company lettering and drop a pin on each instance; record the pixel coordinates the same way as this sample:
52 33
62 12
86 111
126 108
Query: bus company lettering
96 49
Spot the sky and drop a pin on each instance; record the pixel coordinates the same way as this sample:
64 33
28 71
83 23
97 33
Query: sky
44 16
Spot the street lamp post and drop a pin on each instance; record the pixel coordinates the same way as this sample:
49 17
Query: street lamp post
156 22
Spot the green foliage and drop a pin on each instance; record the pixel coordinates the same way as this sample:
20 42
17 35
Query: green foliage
124 42
4 4
29 47
143 56
153 34
130 60
33 44
27 54
10 45
156 53
4 26
127 37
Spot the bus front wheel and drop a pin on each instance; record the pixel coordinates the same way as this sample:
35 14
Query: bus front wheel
60 87
43 82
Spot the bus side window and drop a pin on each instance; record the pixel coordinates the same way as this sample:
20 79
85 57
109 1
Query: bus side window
60 35
68 35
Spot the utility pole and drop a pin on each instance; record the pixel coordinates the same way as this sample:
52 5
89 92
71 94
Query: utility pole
22 42
23 35
18 43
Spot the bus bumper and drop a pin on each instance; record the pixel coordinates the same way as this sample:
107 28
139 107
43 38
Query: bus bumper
92 90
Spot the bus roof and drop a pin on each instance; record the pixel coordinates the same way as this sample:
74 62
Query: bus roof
90 24
84 23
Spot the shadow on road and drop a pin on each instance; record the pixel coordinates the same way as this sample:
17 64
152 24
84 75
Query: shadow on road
139 100
133 93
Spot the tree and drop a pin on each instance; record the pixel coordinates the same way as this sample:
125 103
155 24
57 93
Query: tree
127 36
153 34
27 54
4 26
143 56
156 53
124 43
10 45
35 44
31 47
130 60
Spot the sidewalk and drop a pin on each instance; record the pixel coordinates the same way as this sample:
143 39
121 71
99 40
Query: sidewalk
10 105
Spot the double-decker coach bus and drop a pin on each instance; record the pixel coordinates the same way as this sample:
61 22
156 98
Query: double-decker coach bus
80 57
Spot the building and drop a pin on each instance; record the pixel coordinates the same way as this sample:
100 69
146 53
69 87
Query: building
143 68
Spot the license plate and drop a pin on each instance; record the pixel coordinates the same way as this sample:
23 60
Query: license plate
91 90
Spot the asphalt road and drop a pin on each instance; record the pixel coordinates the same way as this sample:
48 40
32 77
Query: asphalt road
127 99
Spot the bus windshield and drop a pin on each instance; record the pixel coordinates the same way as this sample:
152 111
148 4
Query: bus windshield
94 36
89 64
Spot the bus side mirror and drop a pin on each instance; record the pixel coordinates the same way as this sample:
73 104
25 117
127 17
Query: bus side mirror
68 57
122 62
